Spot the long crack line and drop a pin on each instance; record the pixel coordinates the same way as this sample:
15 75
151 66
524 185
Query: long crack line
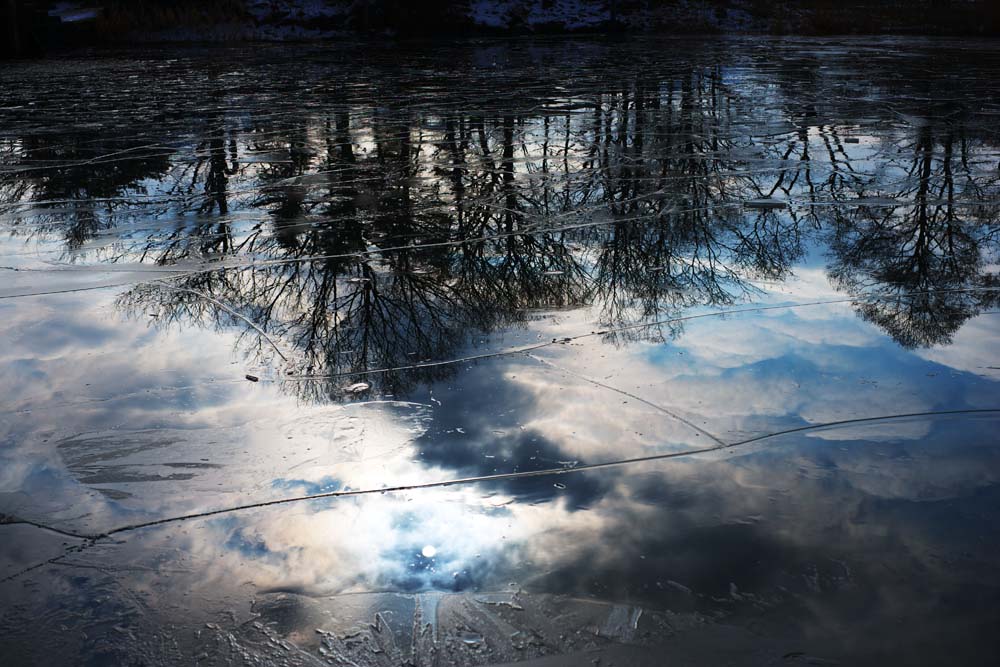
483 478
655 406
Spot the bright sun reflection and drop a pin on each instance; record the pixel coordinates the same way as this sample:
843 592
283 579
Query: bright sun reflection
428 551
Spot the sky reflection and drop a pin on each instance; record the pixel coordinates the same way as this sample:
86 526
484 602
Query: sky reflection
321 277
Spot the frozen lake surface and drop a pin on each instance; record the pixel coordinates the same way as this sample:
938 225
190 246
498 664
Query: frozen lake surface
594 352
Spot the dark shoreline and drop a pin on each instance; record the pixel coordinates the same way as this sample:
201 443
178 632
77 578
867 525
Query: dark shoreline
31 31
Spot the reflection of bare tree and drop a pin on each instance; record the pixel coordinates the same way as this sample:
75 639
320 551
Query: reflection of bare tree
390 227
426 235
919 258
399 251
82 186
664 165
347 314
